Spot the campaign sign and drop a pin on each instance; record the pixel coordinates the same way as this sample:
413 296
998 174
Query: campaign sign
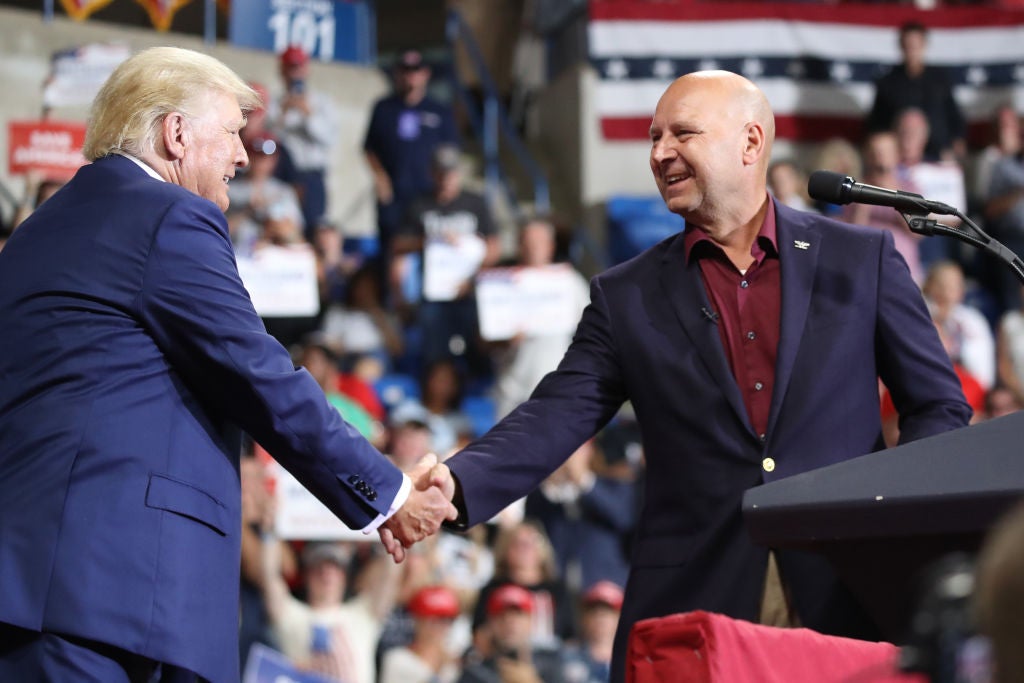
328 30
281 281
266 665
52 149
300 515
533 301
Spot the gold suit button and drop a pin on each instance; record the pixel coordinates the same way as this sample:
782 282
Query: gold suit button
768 464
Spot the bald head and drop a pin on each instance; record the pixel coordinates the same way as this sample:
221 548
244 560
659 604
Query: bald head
711 136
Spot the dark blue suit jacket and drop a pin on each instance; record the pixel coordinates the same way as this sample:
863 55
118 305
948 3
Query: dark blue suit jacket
850 314
130 354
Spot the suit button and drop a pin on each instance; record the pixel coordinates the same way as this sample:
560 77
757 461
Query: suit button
371 496
361 487
768 464
354 479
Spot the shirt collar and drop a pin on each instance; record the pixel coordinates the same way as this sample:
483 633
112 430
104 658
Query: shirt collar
143 165
764 243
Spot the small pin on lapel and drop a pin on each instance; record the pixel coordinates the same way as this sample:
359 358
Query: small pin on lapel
800 244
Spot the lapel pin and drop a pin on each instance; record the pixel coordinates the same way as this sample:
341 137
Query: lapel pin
800 244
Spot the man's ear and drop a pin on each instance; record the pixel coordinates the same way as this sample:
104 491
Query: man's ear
175 135
753 143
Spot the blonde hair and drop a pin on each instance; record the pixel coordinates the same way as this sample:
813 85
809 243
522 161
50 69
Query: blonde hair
130 107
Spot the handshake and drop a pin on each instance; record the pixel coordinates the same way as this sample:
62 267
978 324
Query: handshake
428 505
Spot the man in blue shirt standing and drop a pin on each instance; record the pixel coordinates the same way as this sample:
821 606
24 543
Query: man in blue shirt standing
405 127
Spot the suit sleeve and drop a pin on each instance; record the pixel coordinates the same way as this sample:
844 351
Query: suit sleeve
193 303
911 359
568 407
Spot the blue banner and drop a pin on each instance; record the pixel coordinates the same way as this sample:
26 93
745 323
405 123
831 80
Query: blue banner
328 30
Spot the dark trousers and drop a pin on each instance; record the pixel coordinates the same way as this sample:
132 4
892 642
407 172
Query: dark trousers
52 658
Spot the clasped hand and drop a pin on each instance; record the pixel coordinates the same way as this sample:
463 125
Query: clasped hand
428 505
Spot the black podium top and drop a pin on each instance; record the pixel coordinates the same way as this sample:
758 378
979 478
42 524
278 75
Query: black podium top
955 482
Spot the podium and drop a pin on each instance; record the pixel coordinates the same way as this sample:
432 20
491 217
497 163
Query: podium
882 518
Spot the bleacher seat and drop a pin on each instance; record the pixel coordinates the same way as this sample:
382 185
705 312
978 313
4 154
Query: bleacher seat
396 387
481 413
636 223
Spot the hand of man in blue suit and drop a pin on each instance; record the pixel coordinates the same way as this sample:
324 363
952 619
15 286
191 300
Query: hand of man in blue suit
428 505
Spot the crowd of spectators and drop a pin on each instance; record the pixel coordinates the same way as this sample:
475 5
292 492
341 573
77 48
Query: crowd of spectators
535 594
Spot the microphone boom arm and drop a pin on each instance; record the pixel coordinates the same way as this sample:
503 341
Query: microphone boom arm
975 237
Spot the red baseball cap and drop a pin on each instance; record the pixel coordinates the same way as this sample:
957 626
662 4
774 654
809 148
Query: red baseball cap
604 593
509 596
294 56
434 601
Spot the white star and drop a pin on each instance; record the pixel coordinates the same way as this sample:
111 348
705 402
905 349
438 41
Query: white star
976 75
796 69
752 68
616 69
707 65
840 71
663 68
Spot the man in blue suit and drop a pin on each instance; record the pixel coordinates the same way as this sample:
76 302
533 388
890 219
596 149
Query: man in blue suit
750 346
130 357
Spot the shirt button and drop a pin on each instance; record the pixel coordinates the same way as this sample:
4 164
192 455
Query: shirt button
768 464
744 284
751 336
758 386
762 438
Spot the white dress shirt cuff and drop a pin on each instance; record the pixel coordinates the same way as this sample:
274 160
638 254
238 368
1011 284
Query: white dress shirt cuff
399 501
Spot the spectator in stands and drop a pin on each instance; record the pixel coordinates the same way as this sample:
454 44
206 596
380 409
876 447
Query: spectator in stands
441 392
263 209
591 661
970 338
939 180
839 156
1010 352
788 183
321 361
326 633
405 128
452 232
1005 142
915 84
999 595
257 511
427 659
361 324
587 518
410 437
523 361
882 169
523 556
506 653
1000 401
1004 215
306 122
257 125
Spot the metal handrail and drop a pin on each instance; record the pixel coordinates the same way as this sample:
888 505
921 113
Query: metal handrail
493 128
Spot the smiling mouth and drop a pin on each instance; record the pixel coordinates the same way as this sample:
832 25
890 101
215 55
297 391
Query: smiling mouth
675 178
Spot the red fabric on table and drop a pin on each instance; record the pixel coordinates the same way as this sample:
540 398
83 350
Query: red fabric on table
700 647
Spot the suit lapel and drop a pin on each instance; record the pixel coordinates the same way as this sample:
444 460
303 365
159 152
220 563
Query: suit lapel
684 289
799 243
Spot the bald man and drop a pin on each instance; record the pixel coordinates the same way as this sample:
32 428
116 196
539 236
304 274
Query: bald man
750 346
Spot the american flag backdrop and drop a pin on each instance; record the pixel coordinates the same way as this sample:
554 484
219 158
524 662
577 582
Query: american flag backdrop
815 62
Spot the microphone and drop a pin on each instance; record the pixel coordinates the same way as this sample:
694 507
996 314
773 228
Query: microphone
836 188
709 314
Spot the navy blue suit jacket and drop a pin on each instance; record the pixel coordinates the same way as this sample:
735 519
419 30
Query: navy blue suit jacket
130 356
850 314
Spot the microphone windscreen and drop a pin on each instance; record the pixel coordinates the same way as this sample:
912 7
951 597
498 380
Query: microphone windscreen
827 186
